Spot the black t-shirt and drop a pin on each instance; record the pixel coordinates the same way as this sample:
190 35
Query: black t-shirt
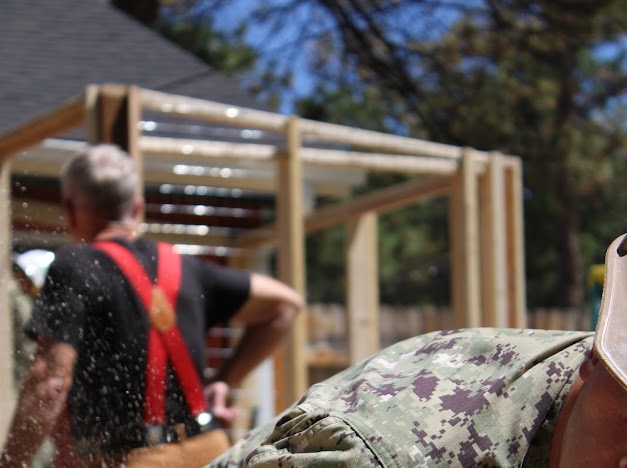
87 303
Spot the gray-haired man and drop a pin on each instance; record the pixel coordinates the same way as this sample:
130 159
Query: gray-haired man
126 354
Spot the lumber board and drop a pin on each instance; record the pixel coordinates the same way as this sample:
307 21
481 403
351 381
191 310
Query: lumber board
377 141
291 262
212 111
515 245
389 198
57 121
465 245
494 273
363 287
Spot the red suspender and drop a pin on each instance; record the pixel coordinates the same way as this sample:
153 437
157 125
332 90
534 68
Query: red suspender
165 341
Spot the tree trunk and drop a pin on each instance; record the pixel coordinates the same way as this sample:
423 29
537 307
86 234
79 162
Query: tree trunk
571 274
570 263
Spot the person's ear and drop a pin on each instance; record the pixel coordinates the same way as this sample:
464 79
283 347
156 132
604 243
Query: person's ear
70 213
138 208
588 365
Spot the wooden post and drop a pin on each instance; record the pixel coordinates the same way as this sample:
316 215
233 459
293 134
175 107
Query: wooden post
515 244
92 114
291 362
112 116
363 287
493 245
465 249
112 113
7 391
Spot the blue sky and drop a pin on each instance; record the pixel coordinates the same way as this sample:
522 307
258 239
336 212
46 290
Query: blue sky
270 41
428 20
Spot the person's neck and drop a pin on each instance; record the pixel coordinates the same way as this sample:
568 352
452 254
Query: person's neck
562 422
126 230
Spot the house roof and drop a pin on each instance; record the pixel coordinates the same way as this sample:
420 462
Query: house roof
50 50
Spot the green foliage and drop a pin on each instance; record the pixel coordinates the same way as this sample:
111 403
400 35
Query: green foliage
414 264
545 80
413 241
326 273
213 47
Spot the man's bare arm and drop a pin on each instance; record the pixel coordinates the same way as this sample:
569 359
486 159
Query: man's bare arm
267 316
42 399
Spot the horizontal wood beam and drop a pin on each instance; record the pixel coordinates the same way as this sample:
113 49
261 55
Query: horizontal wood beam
386 199
377 141
27 211
200 150
384 162
186 244
183 106
30 238
258 185
311 130
55 122
188 234
382 200
50 215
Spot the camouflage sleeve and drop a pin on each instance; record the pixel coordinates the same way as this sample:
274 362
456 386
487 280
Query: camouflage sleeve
455 398
303 437
314 435
23 347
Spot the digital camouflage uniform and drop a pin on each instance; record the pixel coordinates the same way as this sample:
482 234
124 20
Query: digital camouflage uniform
476 397
23 347
24 350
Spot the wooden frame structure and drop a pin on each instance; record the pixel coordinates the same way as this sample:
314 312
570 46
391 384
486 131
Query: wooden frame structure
484 188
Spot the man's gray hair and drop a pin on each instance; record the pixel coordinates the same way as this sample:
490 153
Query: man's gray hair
104 177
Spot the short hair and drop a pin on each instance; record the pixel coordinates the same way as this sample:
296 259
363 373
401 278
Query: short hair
105 177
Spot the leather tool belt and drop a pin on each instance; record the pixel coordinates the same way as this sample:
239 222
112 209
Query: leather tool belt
162 434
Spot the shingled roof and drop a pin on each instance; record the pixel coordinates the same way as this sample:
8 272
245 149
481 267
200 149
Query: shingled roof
50 50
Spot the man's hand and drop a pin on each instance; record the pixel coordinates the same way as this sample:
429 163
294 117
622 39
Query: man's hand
217 395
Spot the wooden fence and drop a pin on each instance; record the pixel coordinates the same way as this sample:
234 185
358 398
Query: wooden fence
327 344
